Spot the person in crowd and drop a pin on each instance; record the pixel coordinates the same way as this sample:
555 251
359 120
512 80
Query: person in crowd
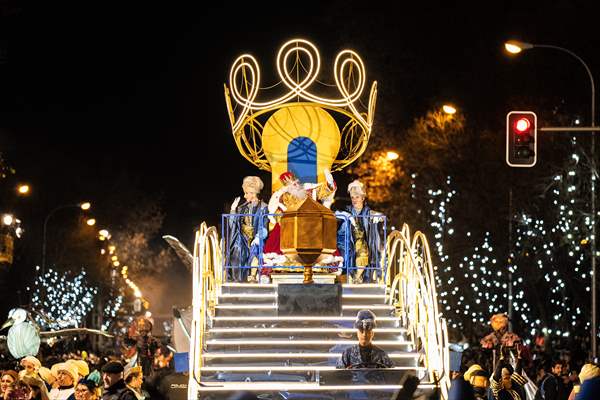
364 354
246 233
478 378
86 389
146 345
18 391
134 379
66 378
507 382
82 367
7 378
551 386
590 383
39 390
460 390
114 385
47 376
31 366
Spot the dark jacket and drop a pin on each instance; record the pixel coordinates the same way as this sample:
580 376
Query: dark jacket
548 389
370 357
118 391
460 390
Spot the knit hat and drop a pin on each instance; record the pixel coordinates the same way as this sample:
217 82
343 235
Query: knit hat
31 359
112 367
47 375
471 371
589 371
82 367
365 319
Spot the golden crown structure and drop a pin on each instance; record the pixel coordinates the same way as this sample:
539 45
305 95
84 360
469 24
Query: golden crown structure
298 66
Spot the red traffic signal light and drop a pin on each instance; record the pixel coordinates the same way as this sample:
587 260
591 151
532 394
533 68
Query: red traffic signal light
521 138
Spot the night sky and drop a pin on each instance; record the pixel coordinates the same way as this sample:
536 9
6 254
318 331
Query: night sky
96 94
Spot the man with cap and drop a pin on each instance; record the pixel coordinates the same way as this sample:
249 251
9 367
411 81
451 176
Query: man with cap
364 354
114 385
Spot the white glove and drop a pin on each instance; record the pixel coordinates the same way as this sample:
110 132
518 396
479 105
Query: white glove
234 205
254 241
329 178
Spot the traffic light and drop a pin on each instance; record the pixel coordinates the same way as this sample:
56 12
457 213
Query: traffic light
521 138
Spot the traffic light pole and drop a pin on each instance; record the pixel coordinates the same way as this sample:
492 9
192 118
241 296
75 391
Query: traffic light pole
594 173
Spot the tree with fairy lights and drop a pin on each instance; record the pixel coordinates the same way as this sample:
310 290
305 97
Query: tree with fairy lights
62 299
551 253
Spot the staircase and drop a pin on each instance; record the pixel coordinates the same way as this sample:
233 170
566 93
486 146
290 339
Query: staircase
249 348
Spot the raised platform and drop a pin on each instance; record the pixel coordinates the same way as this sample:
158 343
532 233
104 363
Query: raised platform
249 347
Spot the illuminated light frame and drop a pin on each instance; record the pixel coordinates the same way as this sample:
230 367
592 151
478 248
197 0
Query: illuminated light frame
294 355
273 306
304 330
291 318
274 295
238 368
245 72
258 386
411 280
299 342
410 289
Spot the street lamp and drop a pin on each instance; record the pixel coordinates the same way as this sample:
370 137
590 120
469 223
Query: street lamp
83 206
23 189
515 47
391 155
449 109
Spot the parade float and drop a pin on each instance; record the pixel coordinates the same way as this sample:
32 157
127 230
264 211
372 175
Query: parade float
277 288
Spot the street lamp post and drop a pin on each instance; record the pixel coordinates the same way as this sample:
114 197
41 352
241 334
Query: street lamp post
515 47
84 206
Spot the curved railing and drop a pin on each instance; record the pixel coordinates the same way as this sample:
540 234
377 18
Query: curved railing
412 291
206 283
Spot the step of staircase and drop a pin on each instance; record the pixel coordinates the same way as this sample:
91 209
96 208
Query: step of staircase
270 309
273 321
301 333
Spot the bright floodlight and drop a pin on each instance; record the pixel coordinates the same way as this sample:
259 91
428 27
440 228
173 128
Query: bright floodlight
7 219
85 206
448 109
91 222
23 189
515 47
391 155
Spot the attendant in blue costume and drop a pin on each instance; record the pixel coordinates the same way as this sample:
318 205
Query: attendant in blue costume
247 232
365 245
